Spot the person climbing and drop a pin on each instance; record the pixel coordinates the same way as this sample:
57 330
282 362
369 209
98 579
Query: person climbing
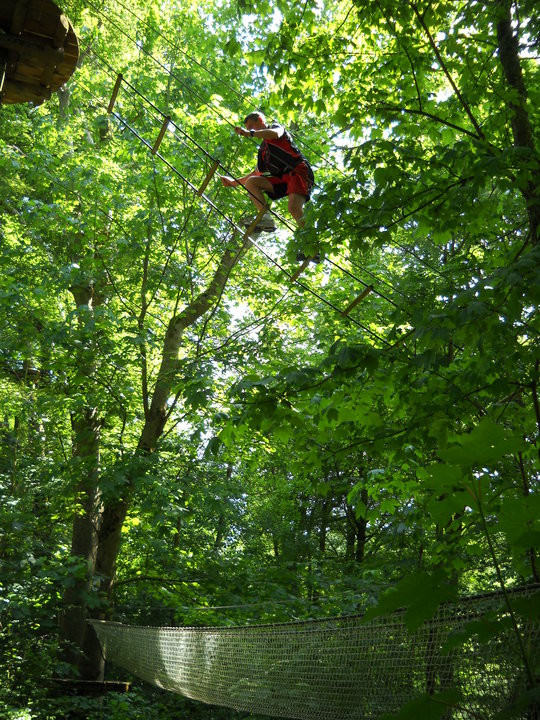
281 170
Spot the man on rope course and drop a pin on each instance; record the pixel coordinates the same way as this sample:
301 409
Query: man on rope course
281 170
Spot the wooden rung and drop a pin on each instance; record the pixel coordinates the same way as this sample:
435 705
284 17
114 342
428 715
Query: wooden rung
357 300
161 134
254 223
209 176
300 270
115 93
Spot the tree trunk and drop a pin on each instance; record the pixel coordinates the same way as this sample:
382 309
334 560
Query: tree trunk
8 448
275 545
350 531
221 523
356 532
521 125
115 510
84 536
323 530
86 445
361 531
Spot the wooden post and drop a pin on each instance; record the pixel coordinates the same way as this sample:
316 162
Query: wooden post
358 300
115 93
161 134
209 176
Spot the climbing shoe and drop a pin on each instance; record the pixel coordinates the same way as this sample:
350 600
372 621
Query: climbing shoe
265 224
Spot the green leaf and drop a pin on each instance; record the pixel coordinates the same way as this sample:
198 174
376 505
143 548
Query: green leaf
484 630
443 509
213 446
485 444
427 707
419 593
233 47
519 519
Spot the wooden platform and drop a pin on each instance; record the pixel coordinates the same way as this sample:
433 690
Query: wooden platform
38 50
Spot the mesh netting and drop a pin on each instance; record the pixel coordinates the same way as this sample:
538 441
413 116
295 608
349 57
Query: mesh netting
338 668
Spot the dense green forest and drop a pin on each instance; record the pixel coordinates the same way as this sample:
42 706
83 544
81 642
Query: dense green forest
187 437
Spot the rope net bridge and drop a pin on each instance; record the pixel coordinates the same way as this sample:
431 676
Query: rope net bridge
335 668
170 127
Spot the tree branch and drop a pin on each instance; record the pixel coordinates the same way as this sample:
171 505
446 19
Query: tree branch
441 62
197 308
431 116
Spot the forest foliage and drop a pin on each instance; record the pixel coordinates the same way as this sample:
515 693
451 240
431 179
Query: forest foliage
188 438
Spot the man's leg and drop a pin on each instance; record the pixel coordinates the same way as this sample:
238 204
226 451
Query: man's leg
296 208
256 184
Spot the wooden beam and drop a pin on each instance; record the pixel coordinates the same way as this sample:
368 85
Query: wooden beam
300 270
19 16
210 174
161 134
115 93
18 92
30 49
358 300
40 23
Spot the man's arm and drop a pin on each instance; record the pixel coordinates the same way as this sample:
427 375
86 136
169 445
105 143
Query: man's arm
265 134
228 181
